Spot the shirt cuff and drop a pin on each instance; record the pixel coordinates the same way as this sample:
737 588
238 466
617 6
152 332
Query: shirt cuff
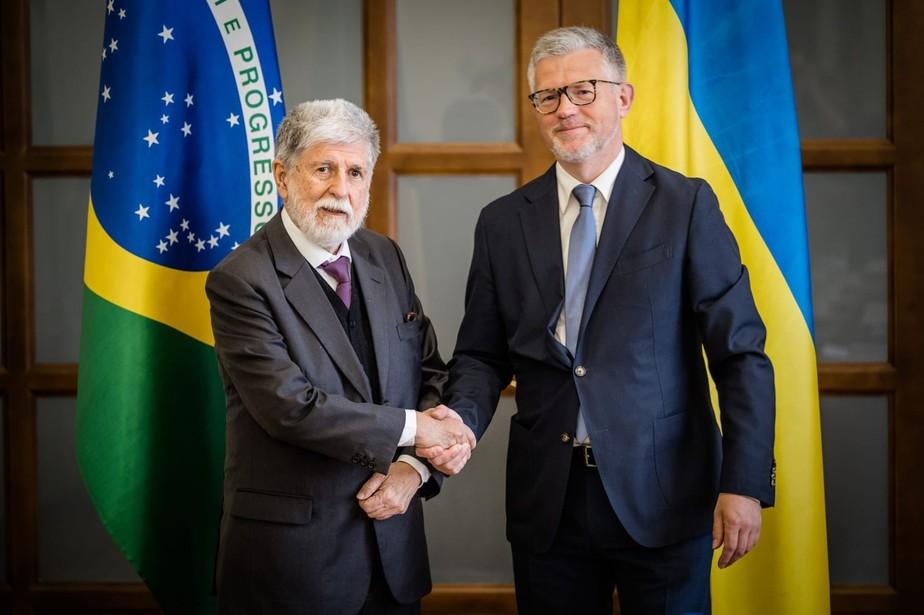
409 434
415 463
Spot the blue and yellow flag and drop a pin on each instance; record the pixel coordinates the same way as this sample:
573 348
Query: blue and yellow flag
713 99
189 98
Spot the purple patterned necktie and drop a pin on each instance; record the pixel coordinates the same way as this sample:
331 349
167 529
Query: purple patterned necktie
340 270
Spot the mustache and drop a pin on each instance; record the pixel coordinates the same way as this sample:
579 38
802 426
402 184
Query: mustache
337 205
567 126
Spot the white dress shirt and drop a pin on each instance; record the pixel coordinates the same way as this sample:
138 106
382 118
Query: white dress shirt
568 209
317 256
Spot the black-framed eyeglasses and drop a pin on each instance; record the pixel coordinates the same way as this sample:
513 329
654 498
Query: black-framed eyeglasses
580 93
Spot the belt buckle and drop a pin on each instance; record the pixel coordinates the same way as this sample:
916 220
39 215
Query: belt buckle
588 456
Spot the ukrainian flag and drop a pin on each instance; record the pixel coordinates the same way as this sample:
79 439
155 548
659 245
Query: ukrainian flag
713 99
189 99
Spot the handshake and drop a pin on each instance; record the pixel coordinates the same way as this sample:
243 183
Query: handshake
443 439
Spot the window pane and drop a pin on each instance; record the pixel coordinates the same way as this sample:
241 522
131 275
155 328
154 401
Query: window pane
59 229
465 525
847 236
66 47
320 49
456 75
438 261
73 546
837 50
466 530
855 438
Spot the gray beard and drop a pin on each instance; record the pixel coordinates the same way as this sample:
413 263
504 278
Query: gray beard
328 236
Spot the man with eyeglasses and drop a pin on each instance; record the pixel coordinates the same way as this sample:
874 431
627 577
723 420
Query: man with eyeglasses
599 286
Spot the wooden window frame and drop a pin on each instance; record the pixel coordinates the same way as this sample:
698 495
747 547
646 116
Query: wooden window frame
901 378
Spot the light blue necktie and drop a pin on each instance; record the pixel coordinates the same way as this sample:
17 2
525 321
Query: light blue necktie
581 248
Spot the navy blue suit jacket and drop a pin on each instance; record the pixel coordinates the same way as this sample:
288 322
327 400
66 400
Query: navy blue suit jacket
667 282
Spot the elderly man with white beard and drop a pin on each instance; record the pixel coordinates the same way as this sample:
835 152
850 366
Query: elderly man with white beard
332 377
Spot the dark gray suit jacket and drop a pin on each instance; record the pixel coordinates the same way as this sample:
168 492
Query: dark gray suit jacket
303 434
667 283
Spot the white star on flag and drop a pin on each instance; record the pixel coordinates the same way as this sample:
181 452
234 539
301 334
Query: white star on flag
276 97
104 53
189 99
184 224
172 236
167 98
111 174
234 247
166 34
222 229
164 118
159 180
232 120
106 95
200 246
151 138
173 202
113 45
191 237
110 7
121 13
162 246
186 129
142 212
213 241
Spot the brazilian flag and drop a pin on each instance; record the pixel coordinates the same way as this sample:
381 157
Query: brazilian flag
714 99
189 99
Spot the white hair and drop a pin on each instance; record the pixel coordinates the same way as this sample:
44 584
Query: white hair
325 121
563 41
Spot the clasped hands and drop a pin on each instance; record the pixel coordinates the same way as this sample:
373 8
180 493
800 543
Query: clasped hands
442 439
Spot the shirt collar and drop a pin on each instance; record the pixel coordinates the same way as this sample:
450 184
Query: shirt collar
603 183
313 253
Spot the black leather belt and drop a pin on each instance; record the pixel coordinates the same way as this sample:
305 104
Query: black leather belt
585 455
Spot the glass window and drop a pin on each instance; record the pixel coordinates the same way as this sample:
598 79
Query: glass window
855 438
73 546
320 49
456 75
847 239
66 47
439 261
466 524
59 229
837 49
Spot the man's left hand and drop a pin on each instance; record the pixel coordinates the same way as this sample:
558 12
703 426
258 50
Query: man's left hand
384 496
736 524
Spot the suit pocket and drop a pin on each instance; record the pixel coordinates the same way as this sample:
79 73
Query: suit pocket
642 260
273 507
410 329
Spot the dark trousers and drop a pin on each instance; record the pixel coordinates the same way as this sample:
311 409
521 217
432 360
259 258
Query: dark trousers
379 600
592 554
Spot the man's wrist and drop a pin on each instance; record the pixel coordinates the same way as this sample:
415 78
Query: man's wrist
422 470
409 433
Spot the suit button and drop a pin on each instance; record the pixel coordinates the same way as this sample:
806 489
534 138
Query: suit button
565 437
579 371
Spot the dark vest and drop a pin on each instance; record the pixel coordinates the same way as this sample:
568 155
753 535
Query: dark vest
355 323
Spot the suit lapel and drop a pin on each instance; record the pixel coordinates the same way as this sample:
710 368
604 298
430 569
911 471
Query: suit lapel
541 222
541 225
627 201
306 297
371 280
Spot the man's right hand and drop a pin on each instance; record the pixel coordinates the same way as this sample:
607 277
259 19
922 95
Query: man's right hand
447 459
441 427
